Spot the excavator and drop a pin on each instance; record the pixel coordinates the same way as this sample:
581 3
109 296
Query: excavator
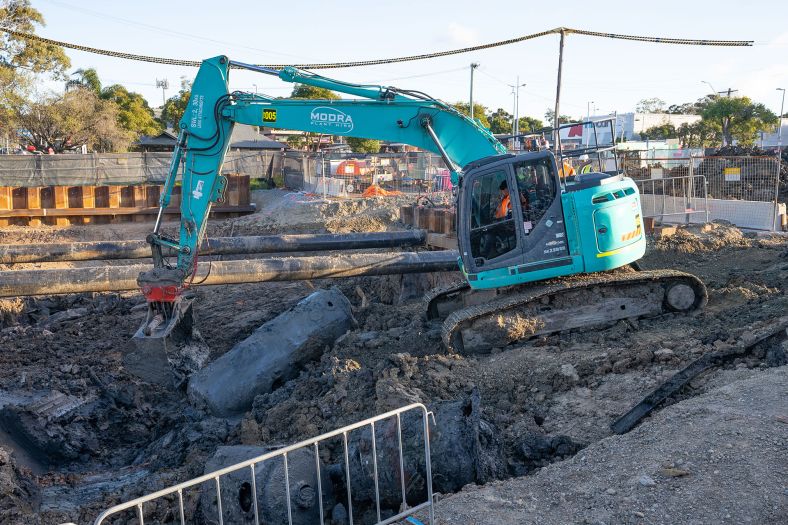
539 252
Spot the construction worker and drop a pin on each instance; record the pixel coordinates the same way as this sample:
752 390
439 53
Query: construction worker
566 169
505 206
588 165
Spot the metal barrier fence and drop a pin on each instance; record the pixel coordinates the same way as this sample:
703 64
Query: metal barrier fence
741 190
674 198
314 445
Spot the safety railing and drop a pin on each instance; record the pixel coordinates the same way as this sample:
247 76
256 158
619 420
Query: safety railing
313 444
674 196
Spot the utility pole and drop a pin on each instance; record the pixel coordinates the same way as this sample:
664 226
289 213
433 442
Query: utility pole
588 118
474 65
556 135
164 85
779 154
729 92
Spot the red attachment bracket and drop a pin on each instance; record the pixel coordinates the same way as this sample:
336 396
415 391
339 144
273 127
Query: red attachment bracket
165 294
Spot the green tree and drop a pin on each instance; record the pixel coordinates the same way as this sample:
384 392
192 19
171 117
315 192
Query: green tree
660 132
134 113
699 134
363 145
529 124
549 116
479 112
500 121
31 55
738 118
650 105
85 78
22 59
303 91
175 106
66 122
690 108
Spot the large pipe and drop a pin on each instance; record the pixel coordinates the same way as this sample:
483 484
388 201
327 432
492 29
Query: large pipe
115 278
90 251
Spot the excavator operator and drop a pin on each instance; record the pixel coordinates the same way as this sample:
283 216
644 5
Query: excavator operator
505 206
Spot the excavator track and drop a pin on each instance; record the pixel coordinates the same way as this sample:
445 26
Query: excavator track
563 304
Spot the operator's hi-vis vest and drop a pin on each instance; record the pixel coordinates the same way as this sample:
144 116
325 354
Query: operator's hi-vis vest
503 208
588 168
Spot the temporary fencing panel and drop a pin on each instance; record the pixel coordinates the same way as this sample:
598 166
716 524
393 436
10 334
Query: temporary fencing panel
741 190
389 449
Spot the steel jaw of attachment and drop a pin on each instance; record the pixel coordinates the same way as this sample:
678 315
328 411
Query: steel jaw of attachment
152 354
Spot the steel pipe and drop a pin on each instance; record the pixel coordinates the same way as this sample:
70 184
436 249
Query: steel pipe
89 251
116 278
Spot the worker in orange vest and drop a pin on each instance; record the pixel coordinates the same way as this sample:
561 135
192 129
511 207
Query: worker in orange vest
506 203
566 169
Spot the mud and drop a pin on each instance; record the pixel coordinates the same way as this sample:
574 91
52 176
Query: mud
540 401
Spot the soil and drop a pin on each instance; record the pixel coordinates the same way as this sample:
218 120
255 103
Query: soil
94 435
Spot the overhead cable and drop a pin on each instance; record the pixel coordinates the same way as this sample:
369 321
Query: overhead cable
410 58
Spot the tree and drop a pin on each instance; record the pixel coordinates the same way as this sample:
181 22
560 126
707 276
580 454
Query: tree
738 118
650 105
21 59
31 55
500 121
529 124
303 91
175 106
86 78
699 134
549 116
66 122
660 132
359 145
479 112
690 108
134 113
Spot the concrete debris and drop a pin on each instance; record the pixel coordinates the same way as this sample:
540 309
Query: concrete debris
273 354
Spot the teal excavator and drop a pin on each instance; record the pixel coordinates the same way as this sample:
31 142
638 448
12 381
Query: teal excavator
537 250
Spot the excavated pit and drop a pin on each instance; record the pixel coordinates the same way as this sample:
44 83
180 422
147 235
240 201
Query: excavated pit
81 433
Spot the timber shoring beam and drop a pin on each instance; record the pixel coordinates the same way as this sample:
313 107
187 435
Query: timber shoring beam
116 278
90 251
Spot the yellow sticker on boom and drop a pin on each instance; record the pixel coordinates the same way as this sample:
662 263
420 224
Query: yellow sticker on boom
269 115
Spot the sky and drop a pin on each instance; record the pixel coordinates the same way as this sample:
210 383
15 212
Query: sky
600 75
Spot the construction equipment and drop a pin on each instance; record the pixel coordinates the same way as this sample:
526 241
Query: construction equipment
518 222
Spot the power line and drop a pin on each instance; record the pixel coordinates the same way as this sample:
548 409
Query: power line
163 30
410 58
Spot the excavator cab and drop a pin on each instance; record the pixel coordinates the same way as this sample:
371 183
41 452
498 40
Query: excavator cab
519 218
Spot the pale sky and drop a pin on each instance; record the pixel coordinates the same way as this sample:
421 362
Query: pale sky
613 74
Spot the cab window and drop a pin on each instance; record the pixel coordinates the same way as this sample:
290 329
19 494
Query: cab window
536 190
492 228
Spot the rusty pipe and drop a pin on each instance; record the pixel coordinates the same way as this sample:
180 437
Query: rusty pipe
89 251
116 278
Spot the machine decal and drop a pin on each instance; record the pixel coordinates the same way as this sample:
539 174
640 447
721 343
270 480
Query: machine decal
198 101
269 115
197 193
334 120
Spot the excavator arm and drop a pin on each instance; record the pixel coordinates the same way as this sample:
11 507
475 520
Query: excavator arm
379 112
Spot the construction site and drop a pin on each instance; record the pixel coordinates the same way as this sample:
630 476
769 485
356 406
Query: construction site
465 330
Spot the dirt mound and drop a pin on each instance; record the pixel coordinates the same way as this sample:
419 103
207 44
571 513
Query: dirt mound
692 239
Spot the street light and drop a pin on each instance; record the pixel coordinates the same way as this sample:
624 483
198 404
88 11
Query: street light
779 156
474 65
588 118
713 91
516 114
255 88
